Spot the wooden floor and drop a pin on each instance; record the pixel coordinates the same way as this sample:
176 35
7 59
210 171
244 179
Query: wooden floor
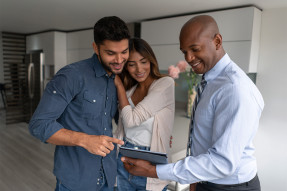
26 164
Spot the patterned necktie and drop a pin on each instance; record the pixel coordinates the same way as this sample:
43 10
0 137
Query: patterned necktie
199 89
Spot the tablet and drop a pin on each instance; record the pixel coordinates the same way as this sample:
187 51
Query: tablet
153 157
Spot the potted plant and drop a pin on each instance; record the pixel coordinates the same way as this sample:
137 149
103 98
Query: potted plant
191 78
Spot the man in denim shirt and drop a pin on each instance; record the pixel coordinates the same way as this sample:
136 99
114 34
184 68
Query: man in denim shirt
76 111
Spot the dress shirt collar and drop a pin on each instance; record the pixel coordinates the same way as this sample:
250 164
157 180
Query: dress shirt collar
98 68
217 69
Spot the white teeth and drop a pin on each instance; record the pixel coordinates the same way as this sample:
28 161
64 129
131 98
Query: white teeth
117 66
139 75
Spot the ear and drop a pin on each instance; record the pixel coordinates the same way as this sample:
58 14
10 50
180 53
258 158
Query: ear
218 41
95 47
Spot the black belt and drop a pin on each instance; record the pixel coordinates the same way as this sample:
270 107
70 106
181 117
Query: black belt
229 185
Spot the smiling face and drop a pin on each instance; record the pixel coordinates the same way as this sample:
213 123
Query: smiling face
138 67
113 55
201 45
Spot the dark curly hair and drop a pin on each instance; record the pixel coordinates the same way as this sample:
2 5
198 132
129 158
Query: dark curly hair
110 28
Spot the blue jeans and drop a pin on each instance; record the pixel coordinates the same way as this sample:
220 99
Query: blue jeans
102 181
126 181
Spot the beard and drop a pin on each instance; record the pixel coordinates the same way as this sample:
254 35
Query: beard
107 66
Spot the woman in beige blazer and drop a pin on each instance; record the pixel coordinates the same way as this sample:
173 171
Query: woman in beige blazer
146 105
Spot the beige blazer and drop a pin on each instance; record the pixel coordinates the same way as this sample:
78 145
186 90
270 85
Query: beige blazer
160 103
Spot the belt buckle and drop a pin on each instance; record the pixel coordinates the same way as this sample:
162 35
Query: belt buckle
136 147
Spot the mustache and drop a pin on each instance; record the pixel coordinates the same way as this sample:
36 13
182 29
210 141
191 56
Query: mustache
115 63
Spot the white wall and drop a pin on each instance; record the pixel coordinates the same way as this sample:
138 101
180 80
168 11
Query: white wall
79 45
239 27
271 140
60 50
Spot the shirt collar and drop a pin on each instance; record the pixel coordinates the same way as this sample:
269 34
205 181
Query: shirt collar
99 69
218 68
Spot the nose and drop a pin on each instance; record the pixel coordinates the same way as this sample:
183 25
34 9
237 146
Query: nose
189 57
119 59
137 67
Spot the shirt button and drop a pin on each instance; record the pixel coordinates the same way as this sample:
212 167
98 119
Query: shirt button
94 100
105 129
105 113
107 98
54 92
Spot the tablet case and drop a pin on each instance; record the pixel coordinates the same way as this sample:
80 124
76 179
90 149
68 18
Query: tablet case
153 157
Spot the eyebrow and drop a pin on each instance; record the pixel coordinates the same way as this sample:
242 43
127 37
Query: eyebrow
125 49
193 45
114 51
135 61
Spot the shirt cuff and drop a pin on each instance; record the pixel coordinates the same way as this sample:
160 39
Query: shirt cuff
165 171
48 132
125 109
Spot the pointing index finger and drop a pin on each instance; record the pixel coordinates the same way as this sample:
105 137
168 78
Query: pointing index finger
115 140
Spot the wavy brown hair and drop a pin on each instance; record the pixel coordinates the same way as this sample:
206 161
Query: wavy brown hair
143 48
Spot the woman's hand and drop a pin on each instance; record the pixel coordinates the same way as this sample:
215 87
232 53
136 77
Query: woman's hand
118 81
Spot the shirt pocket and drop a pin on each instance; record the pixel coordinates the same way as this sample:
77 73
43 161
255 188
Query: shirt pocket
93 105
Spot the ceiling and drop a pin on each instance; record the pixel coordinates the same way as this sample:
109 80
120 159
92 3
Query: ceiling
32 16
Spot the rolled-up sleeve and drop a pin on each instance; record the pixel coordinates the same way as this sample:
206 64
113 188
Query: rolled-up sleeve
57 95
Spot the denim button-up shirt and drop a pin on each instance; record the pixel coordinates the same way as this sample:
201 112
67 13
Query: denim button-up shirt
81 97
